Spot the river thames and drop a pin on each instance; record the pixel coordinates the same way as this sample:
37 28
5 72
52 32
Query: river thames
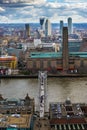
58 89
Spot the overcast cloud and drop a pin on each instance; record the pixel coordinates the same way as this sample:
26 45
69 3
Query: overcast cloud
18 11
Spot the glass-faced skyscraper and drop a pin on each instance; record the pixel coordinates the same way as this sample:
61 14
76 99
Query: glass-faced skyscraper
70 27
27 30
61 27
42 23
47 28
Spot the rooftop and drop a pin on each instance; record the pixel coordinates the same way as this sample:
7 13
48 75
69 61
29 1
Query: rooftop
15 120
56 54
75 112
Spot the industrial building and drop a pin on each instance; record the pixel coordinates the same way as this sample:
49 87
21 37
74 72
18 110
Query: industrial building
64 61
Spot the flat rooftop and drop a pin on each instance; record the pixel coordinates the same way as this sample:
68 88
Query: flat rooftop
15 120
70 110
56 54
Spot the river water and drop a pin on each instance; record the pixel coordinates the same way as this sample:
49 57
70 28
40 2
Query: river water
58 89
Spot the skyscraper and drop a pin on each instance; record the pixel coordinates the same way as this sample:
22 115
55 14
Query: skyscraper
47 28
42 22
61 27
27 30
65 49
70 30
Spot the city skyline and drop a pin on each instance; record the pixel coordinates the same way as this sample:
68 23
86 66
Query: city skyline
27 11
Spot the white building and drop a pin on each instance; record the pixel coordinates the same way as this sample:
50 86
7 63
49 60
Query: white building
70 27
47 28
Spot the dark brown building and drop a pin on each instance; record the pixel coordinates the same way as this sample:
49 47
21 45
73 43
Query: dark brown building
27 30
68 116
65 54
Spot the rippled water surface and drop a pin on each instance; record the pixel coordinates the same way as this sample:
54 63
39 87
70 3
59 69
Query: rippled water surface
58 89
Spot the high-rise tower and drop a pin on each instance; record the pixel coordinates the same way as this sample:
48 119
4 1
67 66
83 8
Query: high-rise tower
61 27
42 23
47 28
70 30
65 49
27 30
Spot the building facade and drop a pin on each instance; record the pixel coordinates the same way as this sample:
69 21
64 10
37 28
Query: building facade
47 28
61 27
70 28
16 114
65 49
27 30
42 23
8 61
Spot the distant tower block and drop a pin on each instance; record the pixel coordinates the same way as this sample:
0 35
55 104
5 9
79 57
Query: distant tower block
61 27
47 28
65 49
42 21
70 30
27 29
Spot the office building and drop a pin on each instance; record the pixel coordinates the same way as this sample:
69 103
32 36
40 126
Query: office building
42 23
27 30
61 27
70 30
47 28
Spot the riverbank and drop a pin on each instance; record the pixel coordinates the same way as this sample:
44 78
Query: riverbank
49 75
